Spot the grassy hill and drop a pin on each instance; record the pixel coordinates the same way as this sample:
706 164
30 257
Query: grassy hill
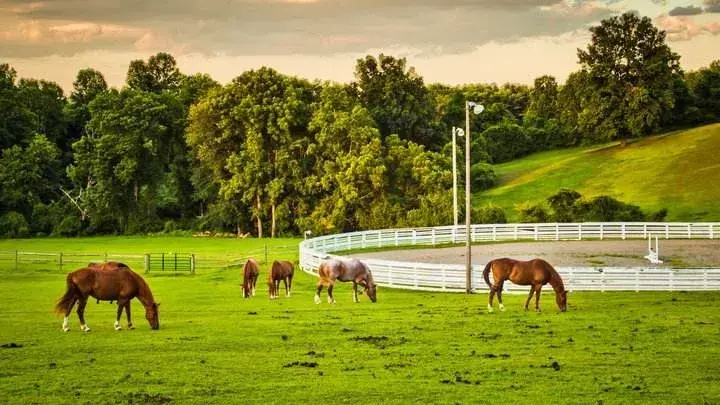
679 171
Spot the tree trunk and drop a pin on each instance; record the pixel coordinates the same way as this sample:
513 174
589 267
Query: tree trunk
272 228
136 190
259 221
238 229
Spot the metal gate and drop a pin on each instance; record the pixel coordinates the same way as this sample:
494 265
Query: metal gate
175 262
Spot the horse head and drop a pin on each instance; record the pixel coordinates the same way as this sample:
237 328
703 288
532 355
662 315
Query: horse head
561 299
151 314
371 288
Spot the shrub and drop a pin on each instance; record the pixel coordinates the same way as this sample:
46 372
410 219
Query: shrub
13 225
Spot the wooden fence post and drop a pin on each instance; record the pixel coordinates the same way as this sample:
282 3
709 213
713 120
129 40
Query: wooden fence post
17 260
60 262
147 263
192 263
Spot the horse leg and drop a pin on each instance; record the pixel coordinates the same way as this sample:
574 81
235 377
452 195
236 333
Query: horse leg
491 296
537 297
317 293
355 294
330 298
499 289
127 312
532 291
277 289
252 291
287 291
289 287
66 321
121 306
82 301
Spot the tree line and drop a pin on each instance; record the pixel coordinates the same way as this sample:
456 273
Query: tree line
271 154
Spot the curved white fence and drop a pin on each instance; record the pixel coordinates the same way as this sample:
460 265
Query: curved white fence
451 277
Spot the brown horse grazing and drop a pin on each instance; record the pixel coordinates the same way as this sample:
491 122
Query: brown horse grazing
535 273
345 270
251 270
106 266
281 270
120 284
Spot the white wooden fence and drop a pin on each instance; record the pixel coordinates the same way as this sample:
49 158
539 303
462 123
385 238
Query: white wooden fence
451 277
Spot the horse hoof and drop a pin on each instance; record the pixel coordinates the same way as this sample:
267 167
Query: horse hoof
66 329
84 328
490 308
317 299
502 307
118 328
131 326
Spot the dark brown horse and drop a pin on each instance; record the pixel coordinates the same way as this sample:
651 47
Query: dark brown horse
535 273
251 270
345 270
280 270
120 284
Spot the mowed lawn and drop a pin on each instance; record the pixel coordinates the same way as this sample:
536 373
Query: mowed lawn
678 171
411 347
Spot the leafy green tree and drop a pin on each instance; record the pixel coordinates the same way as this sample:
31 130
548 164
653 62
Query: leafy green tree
396 97
159 73
543 98
563 205
18 123
47 101
88 84
630 72
123 157
29 175
194 87
489 214
705 88
572 100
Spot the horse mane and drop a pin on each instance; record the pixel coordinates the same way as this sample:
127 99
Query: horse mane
144 293
555 279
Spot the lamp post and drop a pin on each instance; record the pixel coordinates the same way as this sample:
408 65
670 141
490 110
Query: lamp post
458 132
477 109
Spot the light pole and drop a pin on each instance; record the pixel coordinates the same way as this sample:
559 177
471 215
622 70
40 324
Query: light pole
458 132
477 109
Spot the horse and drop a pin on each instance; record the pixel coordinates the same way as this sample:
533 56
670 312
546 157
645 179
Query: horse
345 270
120 284
535 273
106 266
251 270
281 270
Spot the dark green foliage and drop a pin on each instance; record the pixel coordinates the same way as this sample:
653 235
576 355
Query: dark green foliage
535 214
563 205
489 214
506 141
13 225
482 177
608 209
569 206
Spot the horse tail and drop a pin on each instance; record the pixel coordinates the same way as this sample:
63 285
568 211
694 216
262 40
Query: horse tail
68 299
486 274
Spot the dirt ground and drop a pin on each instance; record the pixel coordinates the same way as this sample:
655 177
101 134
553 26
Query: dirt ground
615 253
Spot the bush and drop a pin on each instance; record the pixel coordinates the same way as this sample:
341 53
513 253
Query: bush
482 177
489 214
608 209
13 225
534 214
69 226
170 226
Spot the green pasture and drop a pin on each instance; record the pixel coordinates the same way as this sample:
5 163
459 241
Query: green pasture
411 347
679 171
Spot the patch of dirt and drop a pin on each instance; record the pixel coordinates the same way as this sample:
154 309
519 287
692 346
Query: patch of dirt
610 253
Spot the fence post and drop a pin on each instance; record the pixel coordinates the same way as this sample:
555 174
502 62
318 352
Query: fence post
266 259
414 237
580 231
623 230
711 231
397 242
557 231
60 262
162 261
175 267
689 231
494 232
601 231
536 231
667 231
147 263
516 232
17 260
192 263
705 279
637 281
433 236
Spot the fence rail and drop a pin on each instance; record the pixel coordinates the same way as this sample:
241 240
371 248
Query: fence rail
447 277
64 262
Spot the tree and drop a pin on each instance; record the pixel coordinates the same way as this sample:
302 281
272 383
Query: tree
396 97
194 87
47 101
130 141
18 123
29 175
630 72
543 98
159 73
88 84
705 87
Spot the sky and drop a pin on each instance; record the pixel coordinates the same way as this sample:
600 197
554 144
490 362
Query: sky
447 41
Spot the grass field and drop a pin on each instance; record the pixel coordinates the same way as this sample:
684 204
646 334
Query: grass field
410 347
678 171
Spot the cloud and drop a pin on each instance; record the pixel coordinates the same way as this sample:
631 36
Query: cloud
683 28
275 27
690 10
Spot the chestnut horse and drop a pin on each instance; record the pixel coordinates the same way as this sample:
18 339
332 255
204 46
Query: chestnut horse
119 283
281 270
106 266
535 273
251 270
345 270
